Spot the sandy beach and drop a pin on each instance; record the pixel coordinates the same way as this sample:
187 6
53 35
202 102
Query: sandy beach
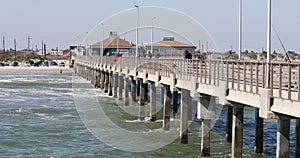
12 69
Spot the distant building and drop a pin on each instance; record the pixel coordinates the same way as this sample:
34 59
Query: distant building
51 52
112 45
169 47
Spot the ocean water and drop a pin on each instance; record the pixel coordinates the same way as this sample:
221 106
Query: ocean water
52 115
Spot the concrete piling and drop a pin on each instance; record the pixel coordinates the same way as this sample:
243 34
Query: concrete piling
166 117
115 85
185 102
110 86
283 137
126 92
229 116
142 100
259 133
133 89
120 86
152 102
175 103
237 131
106 82
297 138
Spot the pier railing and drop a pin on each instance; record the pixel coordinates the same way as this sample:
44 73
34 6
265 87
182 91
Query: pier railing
239 75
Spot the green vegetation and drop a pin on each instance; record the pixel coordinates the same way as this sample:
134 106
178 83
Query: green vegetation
25 56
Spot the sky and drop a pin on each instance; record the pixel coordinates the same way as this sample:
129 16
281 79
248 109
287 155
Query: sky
61 23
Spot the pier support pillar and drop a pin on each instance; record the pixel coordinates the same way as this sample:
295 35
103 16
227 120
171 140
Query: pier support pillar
185 102
98 79
167 101
133 90
110 82
205 138
120 86
138 87
259 133
162 95
106 82
237 131
175 103
297 138
102 79
206 112
126 92
283 137
152 102
142 100
229 124
115 89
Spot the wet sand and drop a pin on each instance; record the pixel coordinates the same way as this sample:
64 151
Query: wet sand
35 69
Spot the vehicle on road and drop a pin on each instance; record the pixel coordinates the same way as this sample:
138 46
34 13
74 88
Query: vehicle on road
26 64
62 64
15 63
53 63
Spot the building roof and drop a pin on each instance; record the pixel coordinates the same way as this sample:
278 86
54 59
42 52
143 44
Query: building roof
170 42
113 43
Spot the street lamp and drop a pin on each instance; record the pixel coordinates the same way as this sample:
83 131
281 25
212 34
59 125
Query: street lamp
268 44
152 36
137 33
102 49
240 28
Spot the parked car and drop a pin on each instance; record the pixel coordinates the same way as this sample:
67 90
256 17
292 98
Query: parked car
53 63
27 64
2 64
5 63
62 64
15 63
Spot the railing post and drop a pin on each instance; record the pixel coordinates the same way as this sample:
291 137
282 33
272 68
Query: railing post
289 82
298 82
256 79
251 78
280 81
245 73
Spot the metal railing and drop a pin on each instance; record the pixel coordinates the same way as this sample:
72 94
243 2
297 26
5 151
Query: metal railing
239 75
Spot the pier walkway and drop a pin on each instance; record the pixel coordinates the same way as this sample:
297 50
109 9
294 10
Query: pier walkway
234 84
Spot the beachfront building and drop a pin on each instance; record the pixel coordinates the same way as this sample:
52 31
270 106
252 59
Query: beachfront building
112 45
169 47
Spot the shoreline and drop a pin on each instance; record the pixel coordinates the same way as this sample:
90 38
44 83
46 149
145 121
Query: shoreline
11 69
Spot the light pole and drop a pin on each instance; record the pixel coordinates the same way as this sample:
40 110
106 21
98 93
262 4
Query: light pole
102 49
240 28
152 36
137 33
269 44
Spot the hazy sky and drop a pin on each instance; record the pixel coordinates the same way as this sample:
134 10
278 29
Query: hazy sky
59 22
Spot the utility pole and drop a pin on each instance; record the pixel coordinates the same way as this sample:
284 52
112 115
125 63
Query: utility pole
45 50
42 49
15 44
3 43
28 39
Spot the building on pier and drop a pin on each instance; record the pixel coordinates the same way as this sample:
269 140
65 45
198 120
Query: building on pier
170 47
112 45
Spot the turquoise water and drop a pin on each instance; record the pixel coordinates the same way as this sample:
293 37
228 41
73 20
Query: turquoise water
39 118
